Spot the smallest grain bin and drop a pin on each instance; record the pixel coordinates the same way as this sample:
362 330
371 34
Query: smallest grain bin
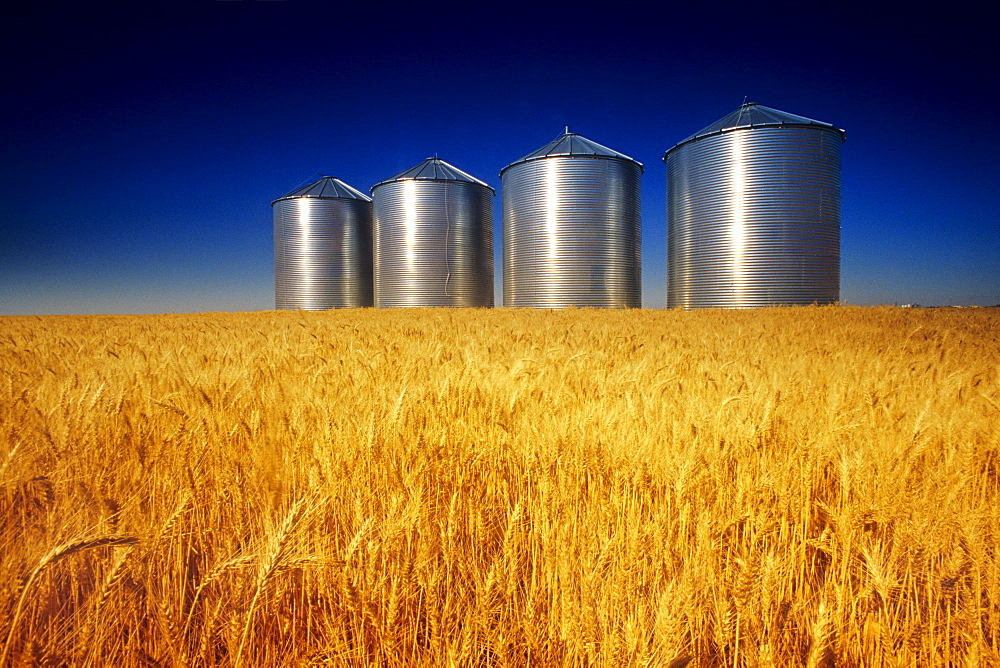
433 238
571 227
323 247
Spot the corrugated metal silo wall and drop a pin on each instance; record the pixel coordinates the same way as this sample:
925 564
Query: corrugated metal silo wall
433 244
322 253
753 219
571 233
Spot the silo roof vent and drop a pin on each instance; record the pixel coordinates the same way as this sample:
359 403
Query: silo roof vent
570 143
754 115
434 169
327 187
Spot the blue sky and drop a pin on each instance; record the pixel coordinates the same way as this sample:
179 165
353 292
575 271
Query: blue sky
142 144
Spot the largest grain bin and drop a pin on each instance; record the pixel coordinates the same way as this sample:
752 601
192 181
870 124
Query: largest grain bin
323 247
433 238
571 225
753 212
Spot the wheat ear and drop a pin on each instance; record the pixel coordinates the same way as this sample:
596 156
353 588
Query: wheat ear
54 555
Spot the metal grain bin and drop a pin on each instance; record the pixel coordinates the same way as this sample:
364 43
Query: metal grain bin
571 227
433 238
323 247
753 212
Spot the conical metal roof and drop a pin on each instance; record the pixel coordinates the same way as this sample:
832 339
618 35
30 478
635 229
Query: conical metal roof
570 143
327 187
433 169
756 115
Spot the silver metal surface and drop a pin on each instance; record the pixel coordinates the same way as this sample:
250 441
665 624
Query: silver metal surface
571 227
322 247
753 213
433 240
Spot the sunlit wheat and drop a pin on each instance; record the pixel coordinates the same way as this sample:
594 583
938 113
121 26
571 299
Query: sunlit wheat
797 486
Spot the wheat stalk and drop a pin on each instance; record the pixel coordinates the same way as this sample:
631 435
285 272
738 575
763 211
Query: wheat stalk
274 559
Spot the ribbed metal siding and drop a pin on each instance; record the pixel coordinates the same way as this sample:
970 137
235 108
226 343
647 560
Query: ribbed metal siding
571 233
322 253
753 219
433 244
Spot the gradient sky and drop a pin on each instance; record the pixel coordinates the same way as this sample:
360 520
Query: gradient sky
142 144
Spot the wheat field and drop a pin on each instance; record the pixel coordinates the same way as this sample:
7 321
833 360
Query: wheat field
795 486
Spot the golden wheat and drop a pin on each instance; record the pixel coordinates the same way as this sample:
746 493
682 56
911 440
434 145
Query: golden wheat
793 486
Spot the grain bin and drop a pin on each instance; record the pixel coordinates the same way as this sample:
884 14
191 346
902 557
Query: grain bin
323 247
571 227
753 212
433 238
